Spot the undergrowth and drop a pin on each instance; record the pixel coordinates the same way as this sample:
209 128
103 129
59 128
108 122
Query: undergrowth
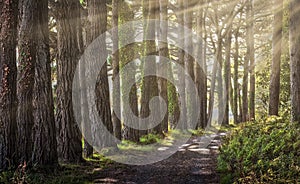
266 151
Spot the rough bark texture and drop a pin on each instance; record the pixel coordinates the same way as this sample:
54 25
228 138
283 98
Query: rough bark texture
150 87
115 62
26 71
236 86
295 58
97 13
189 60
245 110
127 54
252 63
276 58
200 75
227 75
69 136
8 33
181 76
163 52
44 139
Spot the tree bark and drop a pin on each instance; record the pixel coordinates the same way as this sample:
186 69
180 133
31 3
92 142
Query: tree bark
116 78
8 90
252 63
127 54
236 87
189 60
200 74
163 52
181 76
295 58
97 12
276 58
45 145
227 75
150 86
69 136
27 46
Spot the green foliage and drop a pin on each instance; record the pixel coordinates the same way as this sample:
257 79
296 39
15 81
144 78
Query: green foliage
261 152
150 139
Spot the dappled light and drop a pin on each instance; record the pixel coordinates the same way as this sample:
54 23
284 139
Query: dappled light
150 91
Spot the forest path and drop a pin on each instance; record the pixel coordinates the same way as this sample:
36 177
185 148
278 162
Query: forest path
192 164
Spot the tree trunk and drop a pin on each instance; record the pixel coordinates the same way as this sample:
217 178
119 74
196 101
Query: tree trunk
150 87
163 52
45 145
295 58
200 74
189 60
97 12
116 78
245 114
181 76
69 136
227 76
236 91
8 90
276 58
127 54
27 58
252 63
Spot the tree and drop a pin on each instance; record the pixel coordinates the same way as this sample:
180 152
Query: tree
26 71
295 58
200 68
44 138
116 78
8 90
97 15
276 58
163 52
68 137
150 87
188 59
127 54
250 34
181 62
227 75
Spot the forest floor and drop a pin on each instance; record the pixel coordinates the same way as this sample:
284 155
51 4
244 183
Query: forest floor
190 165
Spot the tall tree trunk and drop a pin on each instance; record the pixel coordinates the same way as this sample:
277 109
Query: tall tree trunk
245 114
27 58
116 78
295 58
236 91
252 63
97 13
220 88
200 75
227 75
126 55
189 60
276 58
181 76
213 85
150 87
8 90
163 52
45 145
69 136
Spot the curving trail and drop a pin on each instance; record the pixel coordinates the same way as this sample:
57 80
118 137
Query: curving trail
192 164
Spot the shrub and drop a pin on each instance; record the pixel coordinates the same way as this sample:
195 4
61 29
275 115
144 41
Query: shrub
267 151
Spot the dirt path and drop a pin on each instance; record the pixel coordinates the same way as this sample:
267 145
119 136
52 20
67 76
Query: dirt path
190 165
